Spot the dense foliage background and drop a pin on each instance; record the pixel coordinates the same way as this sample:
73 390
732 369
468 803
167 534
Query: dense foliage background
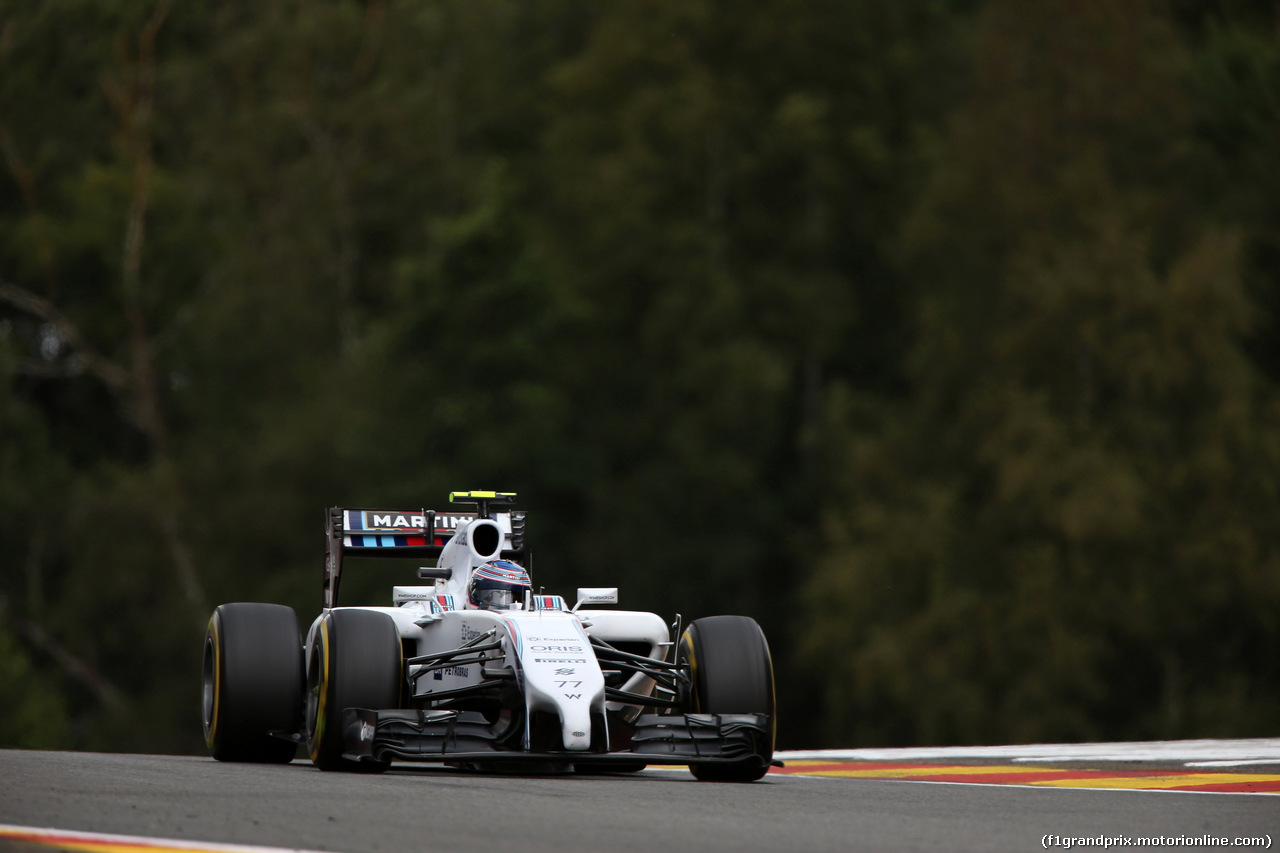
940 336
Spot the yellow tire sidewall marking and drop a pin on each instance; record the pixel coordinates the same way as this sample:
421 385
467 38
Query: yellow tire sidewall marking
212 736
687 639
324 689
773 696
400 696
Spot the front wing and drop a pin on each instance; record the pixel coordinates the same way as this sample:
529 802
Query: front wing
461 736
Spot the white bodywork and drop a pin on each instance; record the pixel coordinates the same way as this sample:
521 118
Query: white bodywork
460 553
548 650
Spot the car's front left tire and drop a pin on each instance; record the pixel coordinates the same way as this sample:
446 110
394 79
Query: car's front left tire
728 660
252 683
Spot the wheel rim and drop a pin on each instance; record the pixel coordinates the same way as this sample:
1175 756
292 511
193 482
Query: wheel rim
313 697
209 687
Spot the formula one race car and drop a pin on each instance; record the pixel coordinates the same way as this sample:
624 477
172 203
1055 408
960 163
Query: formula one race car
473 669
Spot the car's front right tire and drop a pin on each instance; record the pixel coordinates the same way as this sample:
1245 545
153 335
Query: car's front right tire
355 661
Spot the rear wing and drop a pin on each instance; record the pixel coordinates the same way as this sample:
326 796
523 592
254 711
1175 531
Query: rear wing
410 533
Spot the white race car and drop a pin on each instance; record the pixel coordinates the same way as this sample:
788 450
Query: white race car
475 669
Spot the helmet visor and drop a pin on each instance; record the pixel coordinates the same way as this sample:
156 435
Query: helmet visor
494 599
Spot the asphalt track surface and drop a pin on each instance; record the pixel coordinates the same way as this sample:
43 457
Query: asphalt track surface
416 808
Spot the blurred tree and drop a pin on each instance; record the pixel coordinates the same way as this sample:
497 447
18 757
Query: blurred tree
35 711
176 307
204 216
1070 532
1235 84
645 288
718 188
79 314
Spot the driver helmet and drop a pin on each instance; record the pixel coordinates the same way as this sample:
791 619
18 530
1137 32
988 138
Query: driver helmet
498 585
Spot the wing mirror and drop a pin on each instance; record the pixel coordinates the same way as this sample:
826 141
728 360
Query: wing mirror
596 595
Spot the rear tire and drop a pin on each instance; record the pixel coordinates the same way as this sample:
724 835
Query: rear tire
252 683
728 658
355 661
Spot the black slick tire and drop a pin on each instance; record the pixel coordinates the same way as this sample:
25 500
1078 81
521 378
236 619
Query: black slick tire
728 659
355 661
252 683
